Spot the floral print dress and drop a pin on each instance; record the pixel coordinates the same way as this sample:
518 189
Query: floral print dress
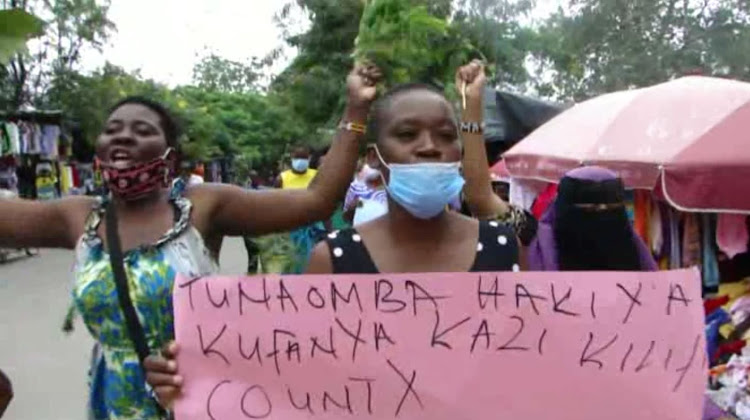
118 387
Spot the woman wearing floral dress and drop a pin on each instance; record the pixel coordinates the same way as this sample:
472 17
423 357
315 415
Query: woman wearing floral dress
163 234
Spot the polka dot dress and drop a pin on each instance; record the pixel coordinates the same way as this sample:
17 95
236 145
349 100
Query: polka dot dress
497 250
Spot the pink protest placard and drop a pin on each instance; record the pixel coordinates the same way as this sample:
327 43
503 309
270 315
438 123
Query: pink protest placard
442 346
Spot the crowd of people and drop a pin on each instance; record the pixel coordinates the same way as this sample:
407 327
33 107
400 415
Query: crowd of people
423 160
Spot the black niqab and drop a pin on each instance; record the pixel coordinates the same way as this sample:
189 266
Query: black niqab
594 239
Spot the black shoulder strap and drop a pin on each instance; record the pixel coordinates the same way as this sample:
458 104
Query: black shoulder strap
135 329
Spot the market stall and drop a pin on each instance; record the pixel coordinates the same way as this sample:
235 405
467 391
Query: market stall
32 160
682 149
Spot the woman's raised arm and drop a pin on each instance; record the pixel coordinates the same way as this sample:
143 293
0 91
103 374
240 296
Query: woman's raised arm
241 212
482 201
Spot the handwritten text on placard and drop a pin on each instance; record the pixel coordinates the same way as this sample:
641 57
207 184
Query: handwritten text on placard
442 346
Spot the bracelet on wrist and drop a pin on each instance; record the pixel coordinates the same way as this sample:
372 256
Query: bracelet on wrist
472 127
353 127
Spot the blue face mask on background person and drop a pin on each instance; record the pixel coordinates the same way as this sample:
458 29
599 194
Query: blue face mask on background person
300 165
424 189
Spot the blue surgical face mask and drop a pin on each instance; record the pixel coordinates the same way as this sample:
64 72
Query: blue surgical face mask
424 189
300 165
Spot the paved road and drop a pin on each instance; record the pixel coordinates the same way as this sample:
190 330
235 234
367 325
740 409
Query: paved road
47 367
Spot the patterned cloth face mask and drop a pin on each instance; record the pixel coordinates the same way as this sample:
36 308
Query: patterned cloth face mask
138 180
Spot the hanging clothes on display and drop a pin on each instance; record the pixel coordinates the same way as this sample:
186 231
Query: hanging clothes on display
8 178
543 201
691 241
732 234
66 179
26 138
642 214
656 230
675 242
710 264
524 192
49 139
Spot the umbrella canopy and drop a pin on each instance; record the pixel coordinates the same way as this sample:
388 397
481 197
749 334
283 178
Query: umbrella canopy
689 139
509 117
500 171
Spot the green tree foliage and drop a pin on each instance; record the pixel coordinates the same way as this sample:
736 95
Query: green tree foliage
312 87
215 123
585 48
604 45
403 39
86 99
16 27
494 27
215 73
72 25
250 125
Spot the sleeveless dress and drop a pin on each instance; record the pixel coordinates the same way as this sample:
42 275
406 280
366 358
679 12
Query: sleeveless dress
118 389
497 250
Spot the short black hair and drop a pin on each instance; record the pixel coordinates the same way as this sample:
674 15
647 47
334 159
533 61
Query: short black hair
169 124
374 123
301 147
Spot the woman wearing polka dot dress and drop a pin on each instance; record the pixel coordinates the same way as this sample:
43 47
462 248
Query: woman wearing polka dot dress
418 151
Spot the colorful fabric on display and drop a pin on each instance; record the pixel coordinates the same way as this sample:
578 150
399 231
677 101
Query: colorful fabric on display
15 139
732 235
4 140
117 389
691 241
675 251
543 201
642 214
523 193
710 264
630 205
49 141
656 230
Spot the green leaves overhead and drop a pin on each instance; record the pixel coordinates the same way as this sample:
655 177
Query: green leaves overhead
408 42
16 28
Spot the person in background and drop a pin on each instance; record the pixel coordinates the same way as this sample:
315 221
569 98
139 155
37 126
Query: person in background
479 193
300 174
187 177
587 228
6 393
163 235
46 182
299 177
366 199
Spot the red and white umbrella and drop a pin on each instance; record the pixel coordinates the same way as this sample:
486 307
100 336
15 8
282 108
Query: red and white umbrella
499 172
689 139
